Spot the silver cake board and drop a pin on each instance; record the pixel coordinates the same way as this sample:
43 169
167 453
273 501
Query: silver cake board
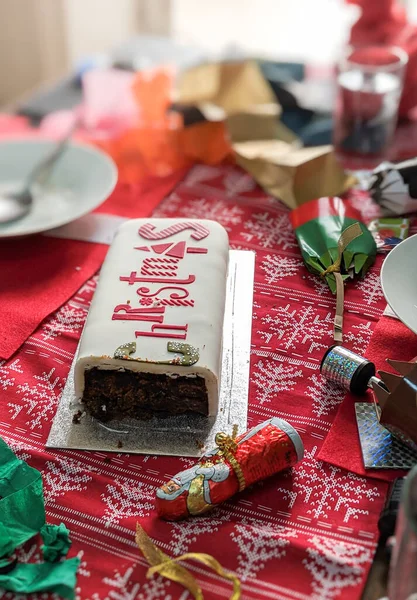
189 435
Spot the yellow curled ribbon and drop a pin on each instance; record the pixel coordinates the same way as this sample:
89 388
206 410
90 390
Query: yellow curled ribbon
348 235
168 567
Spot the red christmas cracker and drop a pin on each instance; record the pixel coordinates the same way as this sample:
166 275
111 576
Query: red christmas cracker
232 466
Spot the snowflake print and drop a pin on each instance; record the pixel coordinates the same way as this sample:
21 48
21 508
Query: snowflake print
370 286
259 542
326 395
326 488
185 533
123 588
127 498
270 231
320 286
217 210
6 373
201 173
277 267
359 336
334 566
68 319
65 475
39 399
295 327
238 182
272 378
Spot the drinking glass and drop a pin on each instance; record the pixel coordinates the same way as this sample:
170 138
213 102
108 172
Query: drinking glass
403 570
370 82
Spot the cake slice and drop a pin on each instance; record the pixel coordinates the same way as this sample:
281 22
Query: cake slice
152 342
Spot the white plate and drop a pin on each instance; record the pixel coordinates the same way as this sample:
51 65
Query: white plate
399 281
81 180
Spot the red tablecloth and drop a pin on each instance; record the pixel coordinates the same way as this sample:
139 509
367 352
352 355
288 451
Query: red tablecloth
308 533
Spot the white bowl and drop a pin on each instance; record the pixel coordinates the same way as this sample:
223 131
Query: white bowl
399 281
80 181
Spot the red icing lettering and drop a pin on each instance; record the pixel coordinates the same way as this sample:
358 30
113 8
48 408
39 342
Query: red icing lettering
160 248
144 248
149 232
134 278
124 312
165 334
160 267
197 250
144 291
178 250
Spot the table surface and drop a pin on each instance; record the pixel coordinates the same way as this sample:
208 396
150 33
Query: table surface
307 533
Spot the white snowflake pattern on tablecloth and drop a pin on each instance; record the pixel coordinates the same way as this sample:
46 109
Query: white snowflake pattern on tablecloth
88 288
269 231
169 207
127 498
38 399
277 267
370 286
123 588
62 476
18 447
320 286
326 488
201 173
359 336
255 307
6 373
185 533
334 566
326 396
238 182
258 542
298 326
273 377
218 210
69 319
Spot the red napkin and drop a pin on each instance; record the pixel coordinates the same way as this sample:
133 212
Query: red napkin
391 339
140 199
39 274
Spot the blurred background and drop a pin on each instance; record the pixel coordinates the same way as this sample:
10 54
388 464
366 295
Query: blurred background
42 40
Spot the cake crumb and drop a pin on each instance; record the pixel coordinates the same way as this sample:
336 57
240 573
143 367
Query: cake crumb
78 268
107 460
199 444
120 444
127 301
76 419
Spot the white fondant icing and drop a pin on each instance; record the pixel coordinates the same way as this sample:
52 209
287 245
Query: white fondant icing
200 322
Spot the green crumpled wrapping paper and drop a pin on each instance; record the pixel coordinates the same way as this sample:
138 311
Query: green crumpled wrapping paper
22 516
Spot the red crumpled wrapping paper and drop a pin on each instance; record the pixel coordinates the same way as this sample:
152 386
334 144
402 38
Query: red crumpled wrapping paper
385 22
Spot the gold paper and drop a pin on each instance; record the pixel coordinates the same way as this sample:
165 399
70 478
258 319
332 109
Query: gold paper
238 93
233 86
293 175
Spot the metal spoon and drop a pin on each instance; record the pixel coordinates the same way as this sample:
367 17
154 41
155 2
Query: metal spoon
15 205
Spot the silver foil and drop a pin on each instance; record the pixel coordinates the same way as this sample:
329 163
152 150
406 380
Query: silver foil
380 449
182 435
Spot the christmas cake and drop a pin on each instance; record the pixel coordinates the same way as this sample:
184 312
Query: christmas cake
152 342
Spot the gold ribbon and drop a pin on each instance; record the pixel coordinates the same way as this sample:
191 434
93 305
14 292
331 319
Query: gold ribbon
348 235
168 567
227 445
